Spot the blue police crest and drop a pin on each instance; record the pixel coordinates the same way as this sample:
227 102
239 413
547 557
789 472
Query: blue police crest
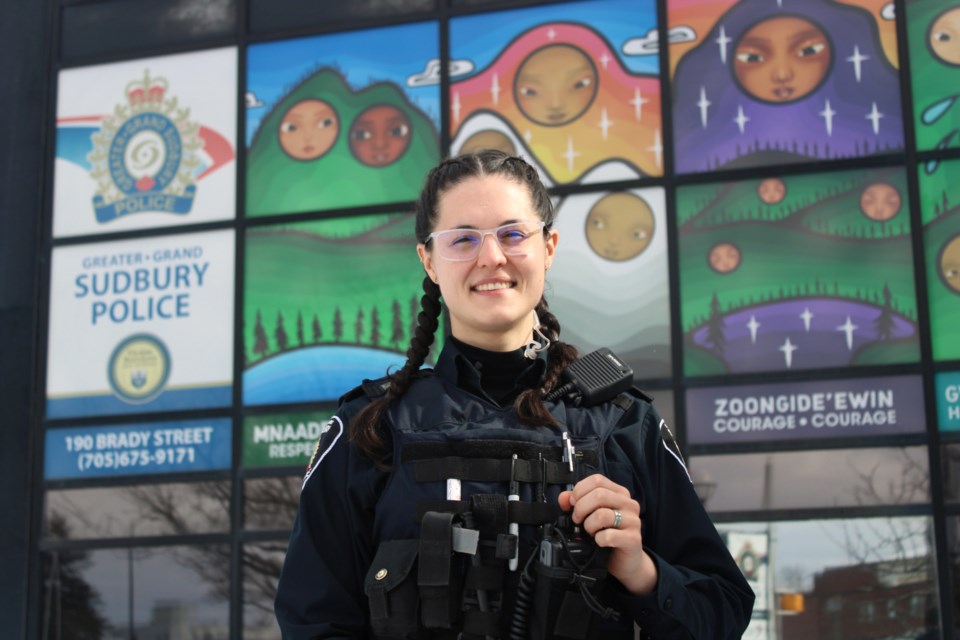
145 155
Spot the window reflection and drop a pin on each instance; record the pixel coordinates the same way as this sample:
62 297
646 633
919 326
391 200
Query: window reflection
271 503
112 26
838 579
950 462
146 593
261 570
268 15
810 479
142 510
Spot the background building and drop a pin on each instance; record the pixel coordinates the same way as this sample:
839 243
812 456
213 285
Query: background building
205 238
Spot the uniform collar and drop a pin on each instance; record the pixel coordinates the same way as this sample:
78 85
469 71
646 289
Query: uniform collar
455 367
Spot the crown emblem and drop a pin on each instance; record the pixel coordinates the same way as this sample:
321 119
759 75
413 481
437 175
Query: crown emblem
148 92
145 156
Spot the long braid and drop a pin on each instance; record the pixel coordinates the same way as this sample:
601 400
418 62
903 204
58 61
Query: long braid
366 429
529 405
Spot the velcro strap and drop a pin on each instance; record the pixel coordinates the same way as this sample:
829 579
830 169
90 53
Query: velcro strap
492 470
535 513
484 578
498 449
436 549
506 546
437 609
489 513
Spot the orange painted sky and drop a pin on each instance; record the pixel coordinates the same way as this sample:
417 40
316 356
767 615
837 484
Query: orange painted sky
616 124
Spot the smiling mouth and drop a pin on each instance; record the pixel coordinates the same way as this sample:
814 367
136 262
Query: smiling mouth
494 286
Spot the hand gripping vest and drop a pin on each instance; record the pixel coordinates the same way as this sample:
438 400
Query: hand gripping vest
452 465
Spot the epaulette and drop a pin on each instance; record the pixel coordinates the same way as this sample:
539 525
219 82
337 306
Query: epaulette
624 400
372 389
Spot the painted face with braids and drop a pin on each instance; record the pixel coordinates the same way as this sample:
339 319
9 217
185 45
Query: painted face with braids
491 296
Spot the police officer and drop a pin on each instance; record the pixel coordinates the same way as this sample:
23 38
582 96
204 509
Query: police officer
413 464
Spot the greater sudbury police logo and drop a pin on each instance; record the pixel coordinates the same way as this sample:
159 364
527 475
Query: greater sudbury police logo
145 156
139 368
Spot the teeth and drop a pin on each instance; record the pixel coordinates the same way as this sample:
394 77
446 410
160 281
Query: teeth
493 286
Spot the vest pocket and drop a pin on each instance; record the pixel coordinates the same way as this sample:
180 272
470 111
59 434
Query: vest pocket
391 589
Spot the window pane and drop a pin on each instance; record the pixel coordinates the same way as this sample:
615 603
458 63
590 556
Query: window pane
144 510
839 579
269 15
261 570
271 503
170 592
810 479
121 26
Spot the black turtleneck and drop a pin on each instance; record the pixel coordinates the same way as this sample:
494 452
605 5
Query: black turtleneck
503 374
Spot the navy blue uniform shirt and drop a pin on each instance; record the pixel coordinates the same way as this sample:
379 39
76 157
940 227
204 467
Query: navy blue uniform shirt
700 592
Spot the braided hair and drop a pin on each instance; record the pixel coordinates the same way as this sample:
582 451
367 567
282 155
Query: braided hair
366 429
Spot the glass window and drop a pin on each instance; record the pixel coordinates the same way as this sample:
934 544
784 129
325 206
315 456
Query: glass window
98 28
261 570
269 15
852 578
271 503
142 510
810 479
168 592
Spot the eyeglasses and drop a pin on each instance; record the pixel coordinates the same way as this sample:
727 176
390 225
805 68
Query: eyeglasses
460 245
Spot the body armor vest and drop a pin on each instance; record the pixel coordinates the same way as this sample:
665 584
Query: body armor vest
453 469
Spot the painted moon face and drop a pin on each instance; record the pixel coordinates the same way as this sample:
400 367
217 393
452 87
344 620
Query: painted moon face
772 190
555 84
724 257
944 36
488 139
619 226
949 264
782 59
880 201
308 129
380 135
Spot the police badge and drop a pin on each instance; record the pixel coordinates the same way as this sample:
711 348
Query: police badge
145 155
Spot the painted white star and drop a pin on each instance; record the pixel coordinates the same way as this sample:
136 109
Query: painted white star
551 34
605 123
704 104
495 88
874 117
657 147
527 136
807 316
848 328
753 325
638 102
456 106
722 42
857 59
827 115
604 60
788 348
570 153
741 119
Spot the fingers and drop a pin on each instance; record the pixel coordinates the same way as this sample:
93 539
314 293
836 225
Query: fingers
597 492
606 519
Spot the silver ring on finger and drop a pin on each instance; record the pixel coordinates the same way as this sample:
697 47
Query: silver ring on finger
617 519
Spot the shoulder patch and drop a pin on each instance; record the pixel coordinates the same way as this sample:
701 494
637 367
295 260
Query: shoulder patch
670 444
332 431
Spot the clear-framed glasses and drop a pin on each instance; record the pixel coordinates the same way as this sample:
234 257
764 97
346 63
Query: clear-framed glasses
460 245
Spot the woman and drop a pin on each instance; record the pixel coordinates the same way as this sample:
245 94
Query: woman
445 448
